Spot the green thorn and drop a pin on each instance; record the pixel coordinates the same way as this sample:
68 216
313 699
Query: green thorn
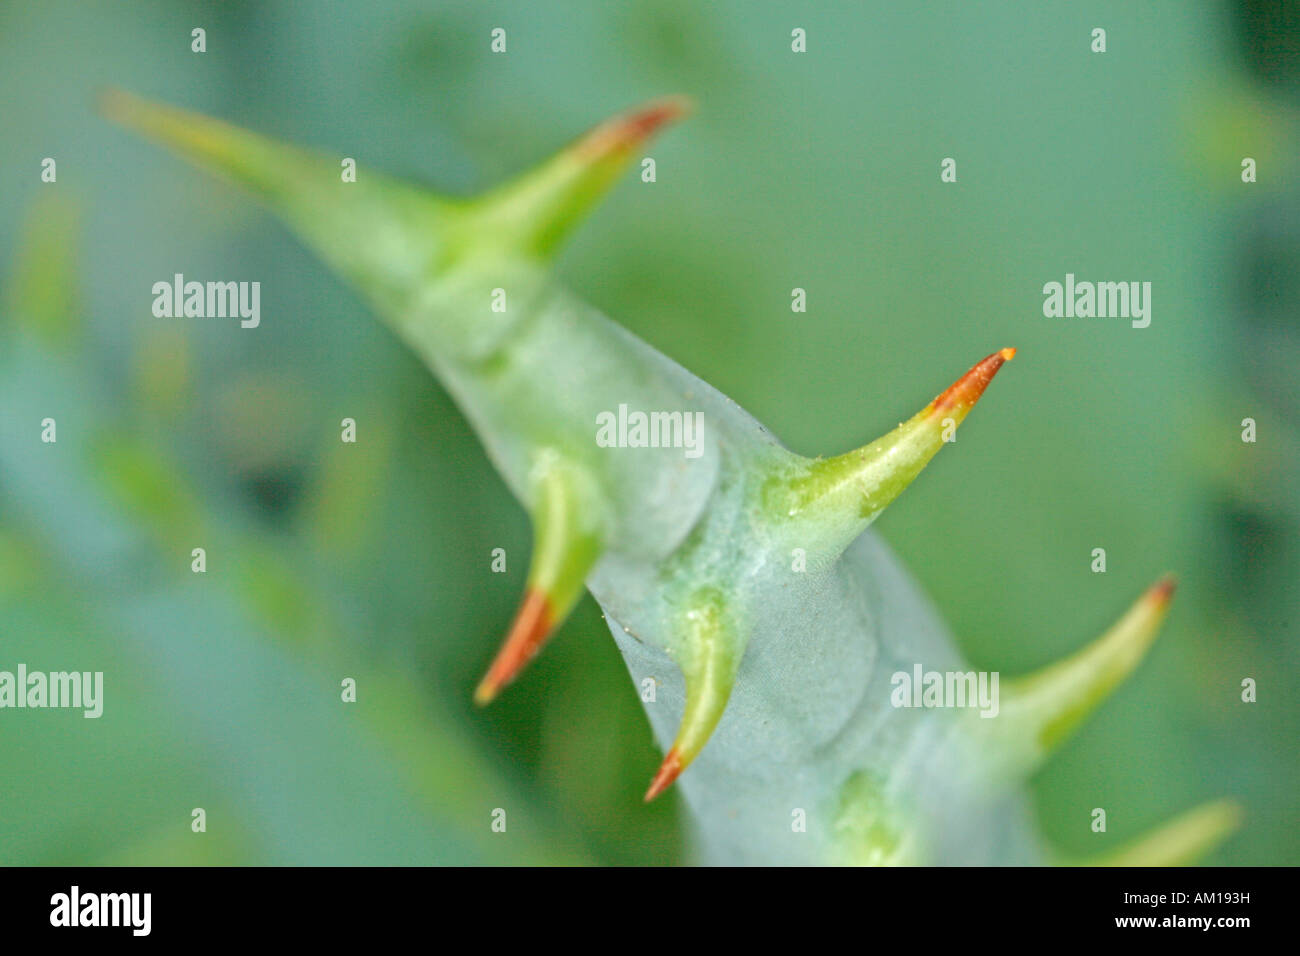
1183 841
1036 713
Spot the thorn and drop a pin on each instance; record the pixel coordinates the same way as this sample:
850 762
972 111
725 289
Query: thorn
1182 841
667 773
1162 592
629 129
378 232
711 648
966 391
1040 710
533 624
112 101
566 545
534 212
834 499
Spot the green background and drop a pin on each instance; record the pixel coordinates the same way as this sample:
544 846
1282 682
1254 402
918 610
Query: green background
819 171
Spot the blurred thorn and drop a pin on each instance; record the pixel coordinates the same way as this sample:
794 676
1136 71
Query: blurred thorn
1183 841
1039 711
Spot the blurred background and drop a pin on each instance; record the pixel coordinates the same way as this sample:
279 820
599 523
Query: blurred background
820 171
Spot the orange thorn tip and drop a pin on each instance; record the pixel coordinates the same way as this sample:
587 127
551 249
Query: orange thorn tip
635 126
1162 592
110 99
966 391
669 770
529 631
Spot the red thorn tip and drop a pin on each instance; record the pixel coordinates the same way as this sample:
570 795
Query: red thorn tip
668 772
626 131
1162 592
532 625
968 389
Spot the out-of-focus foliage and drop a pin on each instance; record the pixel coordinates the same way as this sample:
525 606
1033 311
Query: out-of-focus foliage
818 171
